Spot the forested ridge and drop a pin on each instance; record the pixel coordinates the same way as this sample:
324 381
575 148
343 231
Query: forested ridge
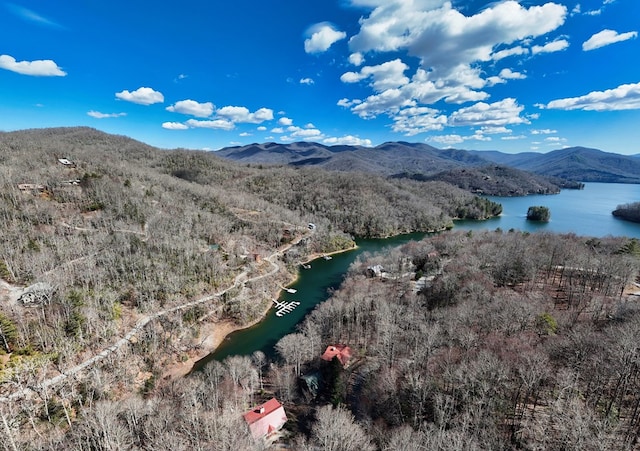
100 233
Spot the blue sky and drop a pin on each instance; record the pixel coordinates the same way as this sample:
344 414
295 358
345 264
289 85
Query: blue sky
514 76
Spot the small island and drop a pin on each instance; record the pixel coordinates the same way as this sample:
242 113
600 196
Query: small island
628 212
538 213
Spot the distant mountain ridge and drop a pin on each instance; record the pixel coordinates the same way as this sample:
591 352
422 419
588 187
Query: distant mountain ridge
395 158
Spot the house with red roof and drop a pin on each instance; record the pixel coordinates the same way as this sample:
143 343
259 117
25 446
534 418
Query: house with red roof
266 419
342 352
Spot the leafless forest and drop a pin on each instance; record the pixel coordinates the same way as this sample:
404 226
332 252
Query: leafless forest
112 254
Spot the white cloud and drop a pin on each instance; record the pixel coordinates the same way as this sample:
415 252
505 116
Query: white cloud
245 134
384 76
192 108
305 133
240 114
217 124
306 81
511 75
551 47
389 102
141 96
624 97
495 130
607 37
32 16
174 126
322 36
357 59
99 115
262 128
443 38
347 140
37 68
277 130
504 112
451 49
414 120
448 140
285 121
513 138
546 131
505 53
554 139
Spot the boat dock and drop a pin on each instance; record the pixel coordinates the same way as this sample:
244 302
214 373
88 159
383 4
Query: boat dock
285 307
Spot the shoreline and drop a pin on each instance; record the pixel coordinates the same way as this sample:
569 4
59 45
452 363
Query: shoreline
213 334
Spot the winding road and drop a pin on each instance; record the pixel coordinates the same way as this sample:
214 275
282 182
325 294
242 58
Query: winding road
239 280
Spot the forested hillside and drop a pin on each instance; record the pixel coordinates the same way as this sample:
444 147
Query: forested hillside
510 341
115 252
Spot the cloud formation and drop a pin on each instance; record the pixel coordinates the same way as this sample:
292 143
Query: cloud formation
240 114
174 126
99 115
624 97
347 140
31 16
216 124
322 36
141 96
37 68
607 37
192 108
451 49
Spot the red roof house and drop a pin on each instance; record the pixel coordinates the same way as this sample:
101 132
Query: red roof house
342 352
265 419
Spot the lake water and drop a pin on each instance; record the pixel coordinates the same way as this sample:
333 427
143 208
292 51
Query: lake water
584 212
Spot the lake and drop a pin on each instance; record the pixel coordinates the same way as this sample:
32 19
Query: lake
584 212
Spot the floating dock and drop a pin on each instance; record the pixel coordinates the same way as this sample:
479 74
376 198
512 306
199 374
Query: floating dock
285 307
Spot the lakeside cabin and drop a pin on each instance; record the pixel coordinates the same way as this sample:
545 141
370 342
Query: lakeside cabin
342 352
266 419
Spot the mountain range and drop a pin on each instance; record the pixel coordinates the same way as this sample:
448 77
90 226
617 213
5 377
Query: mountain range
578 164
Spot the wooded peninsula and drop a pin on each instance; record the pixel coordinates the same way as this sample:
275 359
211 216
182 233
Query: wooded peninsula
119 261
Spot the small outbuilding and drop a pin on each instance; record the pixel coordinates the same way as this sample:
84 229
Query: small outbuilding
266 419
342 352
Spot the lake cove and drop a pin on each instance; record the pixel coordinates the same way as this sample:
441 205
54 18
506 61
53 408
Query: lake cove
583 212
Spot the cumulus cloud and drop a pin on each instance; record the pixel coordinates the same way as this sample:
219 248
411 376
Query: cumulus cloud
262 128
240 114
285 121
551 47
505 53
357 59
322 36
384 76
141 96
546 131
508 74
607 37
306 81
504 112
624 97
216 124
304 133
448 140
192 108
99 115
37 68
451 49
413 120
174 126
347 140
443 38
